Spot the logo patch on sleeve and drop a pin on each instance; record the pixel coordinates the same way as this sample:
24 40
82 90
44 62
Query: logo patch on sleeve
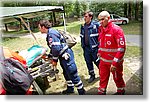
121 42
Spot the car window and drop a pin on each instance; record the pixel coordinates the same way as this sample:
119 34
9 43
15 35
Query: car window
115 16
110 16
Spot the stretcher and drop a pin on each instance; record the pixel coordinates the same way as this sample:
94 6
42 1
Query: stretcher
39 65
37 62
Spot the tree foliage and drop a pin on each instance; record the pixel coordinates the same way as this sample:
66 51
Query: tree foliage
133 9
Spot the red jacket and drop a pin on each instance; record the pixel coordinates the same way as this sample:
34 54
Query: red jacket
112 44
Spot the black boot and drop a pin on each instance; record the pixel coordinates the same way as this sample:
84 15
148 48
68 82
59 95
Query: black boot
81 91
68 91
120 92
91 79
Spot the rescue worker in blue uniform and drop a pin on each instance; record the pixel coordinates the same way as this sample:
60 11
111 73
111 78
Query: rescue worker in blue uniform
60 50
89 43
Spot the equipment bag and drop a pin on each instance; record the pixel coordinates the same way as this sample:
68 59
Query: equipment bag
70 40
15 78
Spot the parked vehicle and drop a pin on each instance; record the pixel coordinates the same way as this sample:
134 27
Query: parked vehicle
118 20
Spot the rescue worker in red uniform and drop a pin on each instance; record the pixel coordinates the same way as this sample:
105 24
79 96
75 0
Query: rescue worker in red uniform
111 50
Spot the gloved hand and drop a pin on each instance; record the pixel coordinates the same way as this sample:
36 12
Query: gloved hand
54 63
66 56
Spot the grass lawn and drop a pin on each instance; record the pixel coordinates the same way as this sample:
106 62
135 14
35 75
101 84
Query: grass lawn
133 51
133 28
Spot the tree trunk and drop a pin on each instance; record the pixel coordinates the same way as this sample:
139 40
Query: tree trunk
125 10
129 10
136 10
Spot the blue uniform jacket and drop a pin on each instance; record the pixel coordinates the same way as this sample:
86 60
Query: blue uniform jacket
56 43
92 34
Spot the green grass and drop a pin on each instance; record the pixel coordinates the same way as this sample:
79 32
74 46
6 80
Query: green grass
133 28
72 28
18 44
133 51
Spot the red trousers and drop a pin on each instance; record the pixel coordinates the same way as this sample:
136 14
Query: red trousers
104 72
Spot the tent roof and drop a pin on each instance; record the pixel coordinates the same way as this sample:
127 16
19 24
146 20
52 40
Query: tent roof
8 13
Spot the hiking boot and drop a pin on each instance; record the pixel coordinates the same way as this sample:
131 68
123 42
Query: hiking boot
91 79
68 91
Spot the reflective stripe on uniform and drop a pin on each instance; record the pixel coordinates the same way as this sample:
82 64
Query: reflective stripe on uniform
121 49
110 61
63 49
56 43
91 71
69 83
108 50
55 58
93 35
81 35
105 60
117 60
94 46
111 50
79 85
80 82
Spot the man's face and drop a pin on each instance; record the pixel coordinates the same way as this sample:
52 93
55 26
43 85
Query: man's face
87 19
103 20
42 29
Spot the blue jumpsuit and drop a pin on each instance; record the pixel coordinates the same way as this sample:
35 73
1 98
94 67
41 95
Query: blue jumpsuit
90 48
58 48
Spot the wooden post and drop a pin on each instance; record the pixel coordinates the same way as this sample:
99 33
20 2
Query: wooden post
28 29
6 27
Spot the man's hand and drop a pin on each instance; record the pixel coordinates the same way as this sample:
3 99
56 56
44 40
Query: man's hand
112 68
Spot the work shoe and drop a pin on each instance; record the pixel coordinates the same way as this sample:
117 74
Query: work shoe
68 91
91 79
120 93
81 91
100 93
